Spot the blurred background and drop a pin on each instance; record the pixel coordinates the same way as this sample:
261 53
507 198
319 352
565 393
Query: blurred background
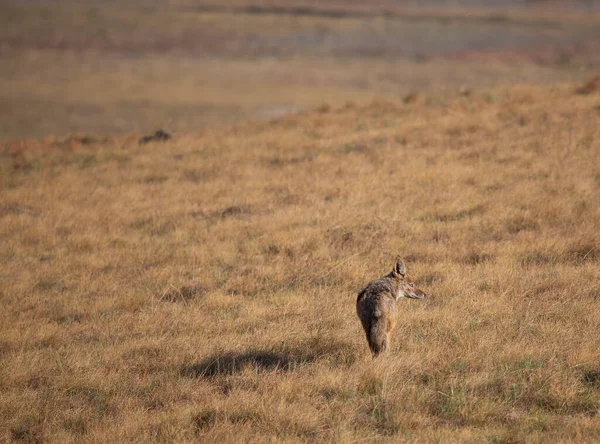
113 67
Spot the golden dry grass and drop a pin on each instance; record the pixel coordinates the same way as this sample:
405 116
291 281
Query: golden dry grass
203 289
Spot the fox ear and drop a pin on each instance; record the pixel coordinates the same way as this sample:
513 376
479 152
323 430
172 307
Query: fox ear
400 268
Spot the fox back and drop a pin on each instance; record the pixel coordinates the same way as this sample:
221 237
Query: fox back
376 305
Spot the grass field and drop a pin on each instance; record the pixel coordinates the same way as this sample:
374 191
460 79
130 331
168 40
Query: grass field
203 289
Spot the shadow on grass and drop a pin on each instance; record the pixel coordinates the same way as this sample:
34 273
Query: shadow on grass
336 353
230 363
591 378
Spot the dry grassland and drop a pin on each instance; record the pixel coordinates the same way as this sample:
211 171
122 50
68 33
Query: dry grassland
203 289
105 67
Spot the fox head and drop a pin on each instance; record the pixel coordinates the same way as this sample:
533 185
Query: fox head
406 287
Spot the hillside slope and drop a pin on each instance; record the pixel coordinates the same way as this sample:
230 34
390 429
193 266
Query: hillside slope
204 288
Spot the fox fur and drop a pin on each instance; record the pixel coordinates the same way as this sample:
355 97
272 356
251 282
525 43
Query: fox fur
376 305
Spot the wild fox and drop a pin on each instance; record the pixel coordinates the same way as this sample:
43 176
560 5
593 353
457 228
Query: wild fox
376 305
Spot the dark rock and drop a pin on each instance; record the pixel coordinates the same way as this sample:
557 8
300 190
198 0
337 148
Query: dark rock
159 136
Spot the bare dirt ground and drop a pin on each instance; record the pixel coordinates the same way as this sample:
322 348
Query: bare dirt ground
202 288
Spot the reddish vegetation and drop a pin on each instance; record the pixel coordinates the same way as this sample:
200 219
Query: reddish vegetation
591 86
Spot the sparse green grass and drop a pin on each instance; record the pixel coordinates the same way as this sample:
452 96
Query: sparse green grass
204 288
